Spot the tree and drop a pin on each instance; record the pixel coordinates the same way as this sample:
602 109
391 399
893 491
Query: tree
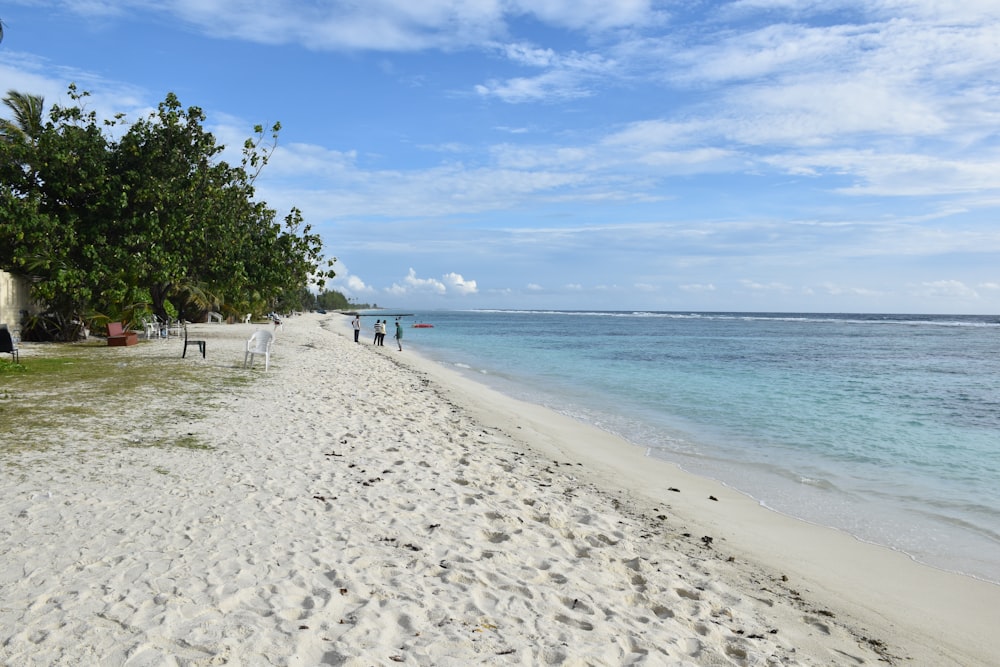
28 118
334 300
171 190
198 222
55 191
105 226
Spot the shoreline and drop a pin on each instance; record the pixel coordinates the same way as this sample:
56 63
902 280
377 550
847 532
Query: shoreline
354 506
863 578
689 466
915 504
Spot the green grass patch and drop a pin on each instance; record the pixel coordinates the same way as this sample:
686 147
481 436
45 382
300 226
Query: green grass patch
7 367
184 442
87 391
191 442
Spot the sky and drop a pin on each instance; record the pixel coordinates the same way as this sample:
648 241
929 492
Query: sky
749 155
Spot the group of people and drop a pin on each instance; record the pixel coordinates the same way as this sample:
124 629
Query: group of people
380 326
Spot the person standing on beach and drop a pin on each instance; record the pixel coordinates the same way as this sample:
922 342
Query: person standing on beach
378 325
399 334
356 323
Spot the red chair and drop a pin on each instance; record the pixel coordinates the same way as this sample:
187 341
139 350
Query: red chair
117 336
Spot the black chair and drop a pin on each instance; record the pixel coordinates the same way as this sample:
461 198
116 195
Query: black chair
7 343
188 341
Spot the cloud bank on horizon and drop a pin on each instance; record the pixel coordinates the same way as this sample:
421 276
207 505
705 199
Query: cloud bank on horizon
781 155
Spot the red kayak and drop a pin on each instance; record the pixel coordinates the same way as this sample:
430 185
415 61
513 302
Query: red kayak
423 326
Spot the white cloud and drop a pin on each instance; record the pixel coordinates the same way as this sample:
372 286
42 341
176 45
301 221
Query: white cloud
298 158
658 133
774 49
888 173
821 112
765 287
342 190
349 284
357 286
701 160
27 73
531 56
451 283
379 25
823 91
411 283
456 283
547 86
867 85
589 14
839 290
948 289
698 287
565 77
563 158
97 8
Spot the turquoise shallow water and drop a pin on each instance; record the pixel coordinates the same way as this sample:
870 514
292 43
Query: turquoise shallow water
884 426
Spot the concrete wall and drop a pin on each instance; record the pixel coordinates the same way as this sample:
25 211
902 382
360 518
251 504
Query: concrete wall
14 297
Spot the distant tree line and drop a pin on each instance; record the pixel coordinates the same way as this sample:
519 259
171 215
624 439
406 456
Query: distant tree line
114 221
334 300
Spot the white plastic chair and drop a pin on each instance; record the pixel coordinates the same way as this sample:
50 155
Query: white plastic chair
246 320
259 343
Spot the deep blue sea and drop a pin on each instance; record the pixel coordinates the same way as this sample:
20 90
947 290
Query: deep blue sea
883 426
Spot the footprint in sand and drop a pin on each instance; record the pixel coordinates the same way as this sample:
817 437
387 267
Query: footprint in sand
662 612
599 541
736 652
690 595
495 538
583 625
818 624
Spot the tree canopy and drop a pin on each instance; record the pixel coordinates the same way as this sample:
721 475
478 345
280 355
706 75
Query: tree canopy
148 218
334 300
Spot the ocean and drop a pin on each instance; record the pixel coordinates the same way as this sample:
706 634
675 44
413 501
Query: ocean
886 427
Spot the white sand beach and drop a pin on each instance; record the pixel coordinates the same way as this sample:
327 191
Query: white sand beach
363 506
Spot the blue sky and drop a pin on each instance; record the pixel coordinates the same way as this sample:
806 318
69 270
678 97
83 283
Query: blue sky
764 155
